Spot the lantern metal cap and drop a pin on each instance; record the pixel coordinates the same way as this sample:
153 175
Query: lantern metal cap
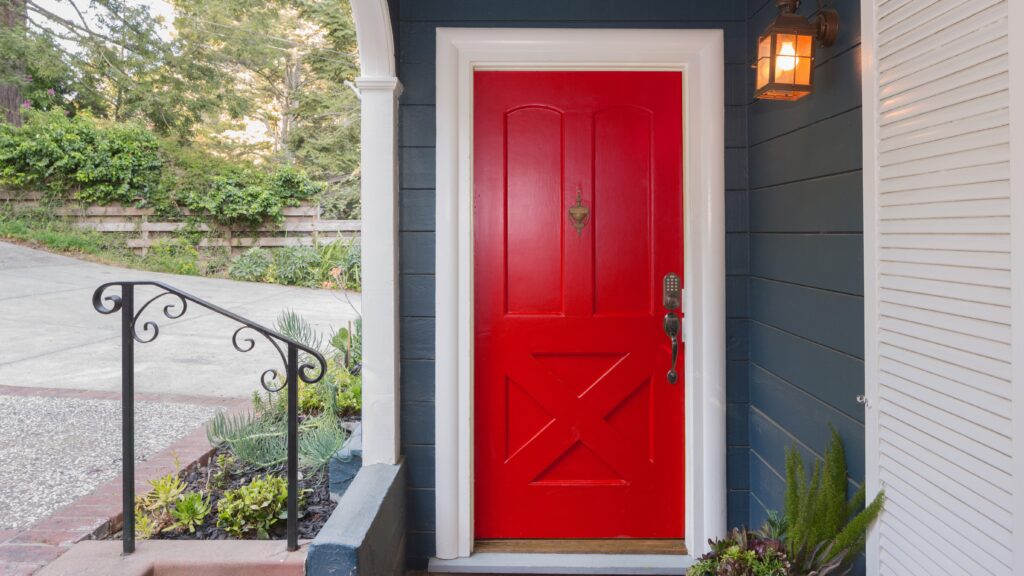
824 26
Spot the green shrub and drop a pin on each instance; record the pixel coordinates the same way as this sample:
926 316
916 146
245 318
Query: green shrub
296 266
80 158
340 265
252 266
248 195
253 508
174 256
350 395
190 511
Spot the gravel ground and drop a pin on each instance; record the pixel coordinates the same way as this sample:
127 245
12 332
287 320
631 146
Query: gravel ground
55 450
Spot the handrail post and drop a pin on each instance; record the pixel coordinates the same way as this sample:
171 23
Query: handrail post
292 382
128 417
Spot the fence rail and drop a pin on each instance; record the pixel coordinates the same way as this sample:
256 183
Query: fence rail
302 225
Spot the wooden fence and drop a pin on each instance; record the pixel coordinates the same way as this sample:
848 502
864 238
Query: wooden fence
302 225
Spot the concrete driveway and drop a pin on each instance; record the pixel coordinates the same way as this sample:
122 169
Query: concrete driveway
51 337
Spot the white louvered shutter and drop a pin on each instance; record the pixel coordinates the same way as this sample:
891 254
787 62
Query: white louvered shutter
939 318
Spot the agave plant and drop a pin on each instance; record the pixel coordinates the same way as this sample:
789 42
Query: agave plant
260 440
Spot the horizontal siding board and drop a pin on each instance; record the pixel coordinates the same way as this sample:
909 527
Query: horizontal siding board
416 293
806 418
738 467
808 152
417 380
829 261
417 250
416 210
416 125
810 313
737 296
832 377
416 167
417 338
766 484
828 204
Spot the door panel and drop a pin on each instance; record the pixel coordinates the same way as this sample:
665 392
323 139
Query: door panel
578 434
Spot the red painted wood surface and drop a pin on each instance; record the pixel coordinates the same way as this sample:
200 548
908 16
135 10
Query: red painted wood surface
578 434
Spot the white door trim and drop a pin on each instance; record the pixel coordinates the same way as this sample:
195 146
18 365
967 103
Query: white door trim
699 54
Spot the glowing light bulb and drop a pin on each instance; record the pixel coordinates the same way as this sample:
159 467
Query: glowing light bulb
786 60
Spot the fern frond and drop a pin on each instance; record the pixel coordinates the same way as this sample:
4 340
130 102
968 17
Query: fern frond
832 511
851 539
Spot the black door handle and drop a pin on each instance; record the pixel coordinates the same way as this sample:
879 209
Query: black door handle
672 330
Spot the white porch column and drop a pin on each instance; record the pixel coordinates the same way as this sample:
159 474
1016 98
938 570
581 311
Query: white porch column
380 269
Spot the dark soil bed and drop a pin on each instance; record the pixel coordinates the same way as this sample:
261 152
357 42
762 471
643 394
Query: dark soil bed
315 506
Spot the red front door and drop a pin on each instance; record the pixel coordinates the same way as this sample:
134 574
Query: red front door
578 433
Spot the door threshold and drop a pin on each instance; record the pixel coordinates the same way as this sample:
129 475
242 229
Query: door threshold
674 546
555 563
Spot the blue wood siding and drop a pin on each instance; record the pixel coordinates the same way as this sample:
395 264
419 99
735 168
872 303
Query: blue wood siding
793 225
806 265
416 24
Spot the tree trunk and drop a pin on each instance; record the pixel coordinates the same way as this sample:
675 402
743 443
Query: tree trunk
12 15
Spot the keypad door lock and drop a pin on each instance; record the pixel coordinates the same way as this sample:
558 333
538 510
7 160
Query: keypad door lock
672 299
672 291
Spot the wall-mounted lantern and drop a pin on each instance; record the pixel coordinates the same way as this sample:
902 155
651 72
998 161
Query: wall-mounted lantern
785 51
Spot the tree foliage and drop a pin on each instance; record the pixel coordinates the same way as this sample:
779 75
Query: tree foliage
204 81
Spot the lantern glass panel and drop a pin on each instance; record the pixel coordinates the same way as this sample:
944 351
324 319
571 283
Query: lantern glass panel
764 60
805 59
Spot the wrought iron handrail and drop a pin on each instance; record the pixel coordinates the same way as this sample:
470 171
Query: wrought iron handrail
131 333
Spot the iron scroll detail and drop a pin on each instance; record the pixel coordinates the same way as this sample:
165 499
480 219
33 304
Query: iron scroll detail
309 367
308 372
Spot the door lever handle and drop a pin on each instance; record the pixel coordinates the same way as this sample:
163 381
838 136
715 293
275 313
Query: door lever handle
672 330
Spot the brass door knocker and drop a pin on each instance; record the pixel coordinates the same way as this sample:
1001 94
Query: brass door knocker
579 214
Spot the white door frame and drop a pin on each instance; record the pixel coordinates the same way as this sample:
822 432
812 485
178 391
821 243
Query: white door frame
699 55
